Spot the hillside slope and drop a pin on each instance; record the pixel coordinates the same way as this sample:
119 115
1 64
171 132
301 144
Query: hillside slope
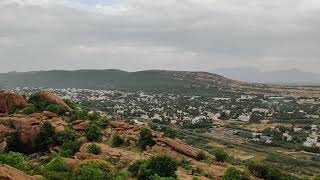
183 82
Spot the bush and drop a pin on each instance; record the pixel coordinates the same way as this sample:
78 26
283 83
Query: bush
57 165
185 164
134 168
170 133
163 166
65 136
264 171
201 156
95 170
16 160
55 109
145 139
117 141
29 109
69 148
94 149
93 132
13 142
220 155
235 174
44 138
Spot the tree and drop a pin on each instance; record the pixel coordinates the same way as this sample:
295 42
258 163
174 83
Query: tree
221 156
164 166
93 132
29 109
235 174
94 149
55 109
69 148
117 141
145 138
44 138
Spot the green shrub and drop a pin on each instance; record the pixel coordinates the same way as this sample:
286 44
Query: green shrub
134 168
55 109
65 136
163 166
220 155
265 171
29 109
93 132
94 149
170 133
69 148
201 156
90 172
235 174
145 139
16 160
13 142
157 177
196 171
37 102
117 141
57 165
44 138
185 164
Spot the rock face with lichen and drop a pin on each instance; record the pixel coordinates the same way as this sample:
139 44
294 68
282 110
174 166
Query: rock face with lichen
8 101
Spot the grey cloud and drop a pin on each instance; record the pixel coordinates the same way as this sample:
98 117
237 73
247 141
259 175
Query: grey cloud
168 34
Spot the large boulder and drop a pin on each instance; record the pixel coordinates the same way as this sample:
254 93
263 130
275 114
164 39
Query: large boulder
9 101
29 126
54 99
10 173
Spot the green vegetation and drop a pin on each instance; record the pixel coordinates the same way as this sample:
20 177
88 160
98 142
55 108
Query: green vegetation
55 109
45 137
93 132
145 139
16 160
220 155
13 142
117 141
235 174
201 156
94 149
163 166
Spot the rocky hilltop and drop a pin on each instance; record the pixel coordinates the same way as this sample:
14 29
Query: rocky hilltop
59 142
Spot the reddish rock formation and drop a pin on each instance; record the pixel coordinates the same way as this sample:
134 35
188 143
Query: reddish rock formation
52 98
10 173
80 125
9 101
29 126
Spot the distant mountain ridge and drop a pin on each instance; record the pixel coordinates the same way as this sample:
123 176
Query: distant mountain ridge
283 77
182 82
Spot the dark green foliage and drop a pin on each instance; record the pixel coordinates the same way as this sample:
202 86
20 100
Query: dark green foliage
220 155
79 114
94 149
66 135
185 164
90 172
15 160
235 174
267 172
57 165
69 148
201 156
170 133
13 142
145 139
163 166
134 168
55 109
70 103
93 132
103 122
37 102
45 137
29 109
117 141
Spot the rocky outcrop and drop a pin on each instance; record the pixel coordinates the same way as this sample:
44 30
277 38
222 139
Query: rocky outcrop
80 125
10 173
9 101
29 126
52 98
177 146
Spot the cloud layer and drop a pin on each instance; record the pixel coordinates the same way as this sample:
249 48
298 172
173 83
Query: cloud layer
167 34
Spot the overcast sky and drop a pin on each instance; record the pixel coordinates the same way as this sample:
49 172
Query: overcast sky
159 34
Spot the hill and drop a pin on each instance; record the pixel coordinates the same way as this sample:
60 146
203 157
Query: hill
183 82
284 77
